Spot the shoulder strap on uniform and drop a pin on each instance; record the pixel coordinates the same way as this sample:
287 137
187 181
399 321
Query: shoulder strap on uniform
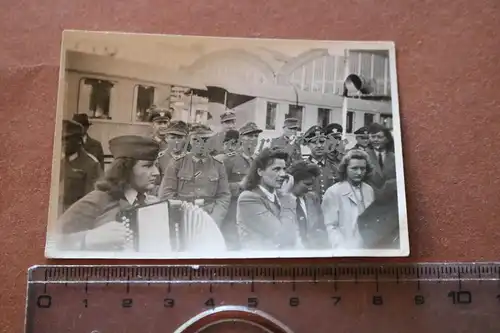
91 156
218 158
178 157
162 153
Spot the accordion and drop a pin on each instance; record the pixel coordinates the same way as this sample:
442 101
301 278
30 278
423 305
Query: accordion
170 226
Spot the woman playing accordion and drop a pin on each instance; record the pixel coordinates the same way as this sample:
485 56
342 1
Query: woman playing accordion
119 215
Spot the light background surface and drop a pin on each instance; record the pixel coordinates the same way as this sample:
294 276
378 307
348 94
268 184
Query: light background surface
448 73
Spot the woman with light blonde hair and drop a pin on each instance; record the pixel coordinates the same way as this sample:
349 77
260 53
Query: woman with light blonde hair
344 201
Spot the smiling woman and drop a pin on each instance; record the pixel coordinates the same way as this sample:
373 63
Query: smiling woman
90 223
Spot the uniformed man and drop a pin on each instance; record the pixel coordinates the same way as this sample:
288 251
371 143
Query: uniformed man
335 148
198 175
237 165
362 138
91 145
176 138
160 118
315 139
79 169
231 142
228 122
288 141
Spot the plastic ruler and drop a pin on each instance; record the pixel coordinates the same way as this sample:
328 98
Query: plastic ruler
424 297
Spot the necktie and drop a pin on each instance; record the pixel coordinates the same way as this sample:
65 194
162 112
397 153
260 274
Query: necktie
140 200
380 161
301 219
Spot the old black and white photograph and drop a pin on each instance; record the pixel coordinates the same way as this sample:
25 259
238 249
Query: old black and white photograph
194 147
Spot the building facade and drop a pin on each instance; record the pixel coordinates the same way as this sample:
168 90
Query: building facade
116 92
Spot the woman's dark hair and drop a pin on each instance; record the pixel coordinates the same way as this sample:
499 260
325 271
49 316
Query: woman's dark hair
117 177
376 127
301 170
265 158
358 155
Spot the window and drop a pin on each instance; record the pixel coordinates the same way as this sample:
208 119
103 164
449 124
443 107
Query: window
198 116
95 97
386 120
271 116
145 98
323 117
349 122
321 75
368 119
295 111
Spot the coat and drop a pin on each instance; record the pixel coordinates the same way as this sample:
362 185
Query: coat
379 224
294 150
316 236
186 179
326 178
94 147
237 167
341 210
95 209
264 226
78 176
380 178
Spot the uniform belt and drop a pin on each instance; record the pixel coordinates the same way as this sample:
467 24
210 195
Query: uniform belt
206 200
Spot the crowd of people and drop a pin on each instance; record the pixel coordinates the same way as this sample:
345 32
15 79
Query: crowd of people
261 196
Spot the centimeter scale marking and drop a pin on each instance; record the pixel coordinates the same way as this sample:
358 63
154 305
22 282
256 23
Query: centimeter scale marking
426 297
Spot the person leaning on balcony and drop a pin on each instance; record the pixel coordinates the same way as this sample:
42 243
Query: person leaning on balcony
198 175
160 119
79 169
90 224
228 122
288 141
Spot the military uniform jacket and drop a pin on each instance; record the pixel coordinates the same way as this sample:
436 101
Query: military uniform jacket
79 176
237 167
264 225
217 143
93 210
293 150
326 178
189 179
358 147
163 144
164 158
94 147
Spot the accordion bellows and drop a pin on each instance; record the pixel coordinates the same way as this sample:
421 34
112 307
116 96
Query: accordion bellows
171 226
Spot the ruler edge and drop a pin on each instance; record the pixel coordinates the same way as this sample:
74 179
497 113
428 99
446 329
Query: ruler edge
276 265
197 267
28 323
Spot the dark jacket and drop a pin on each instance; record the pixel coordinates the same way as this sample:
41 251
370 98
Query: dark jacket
263 225
94 147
